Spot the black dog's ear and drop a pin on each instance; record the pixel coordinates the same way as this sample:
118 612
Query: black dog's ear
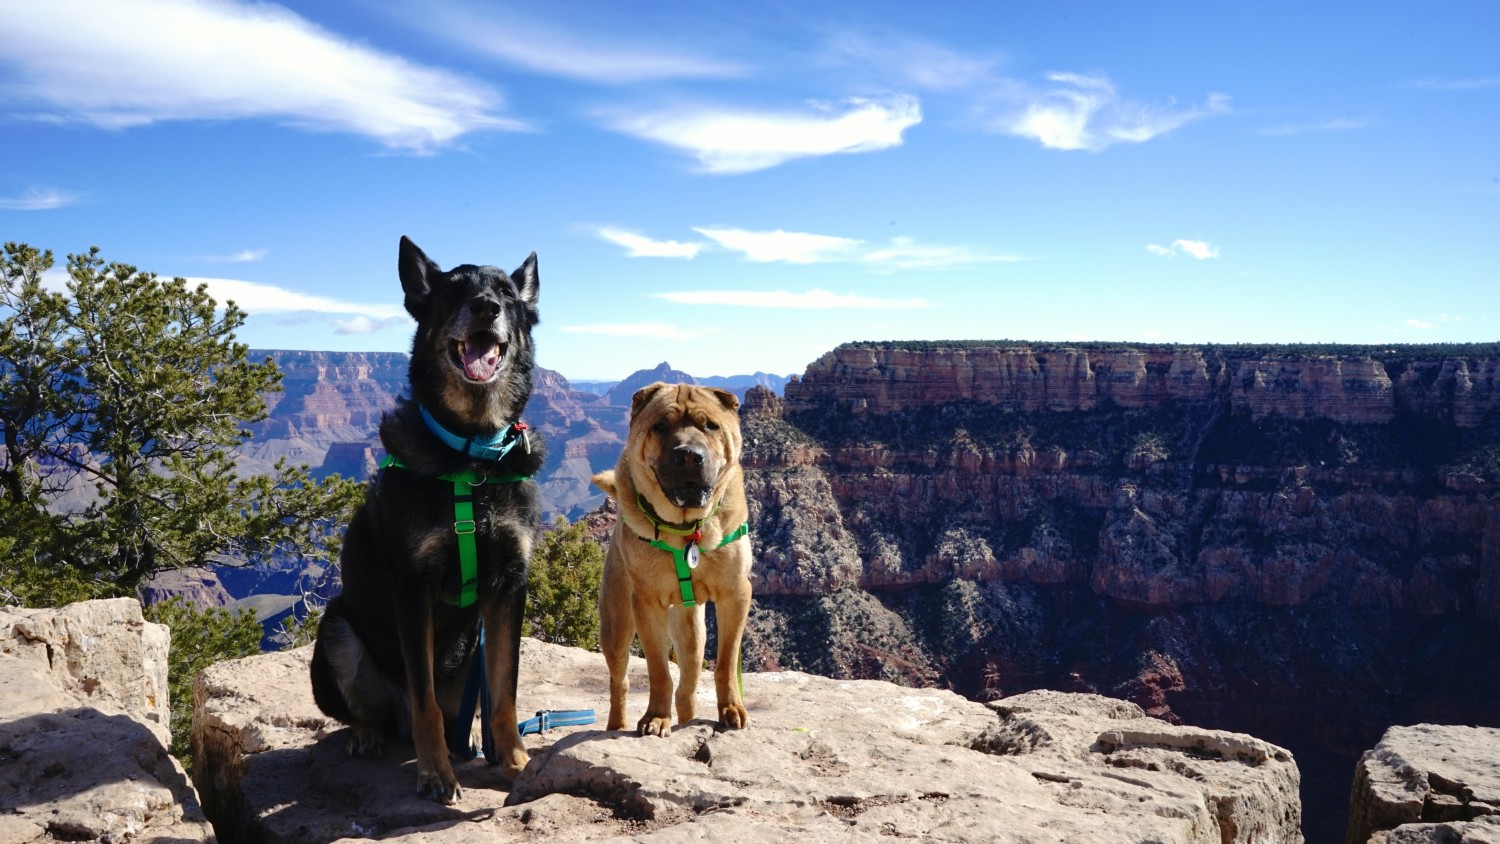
417 275
526 280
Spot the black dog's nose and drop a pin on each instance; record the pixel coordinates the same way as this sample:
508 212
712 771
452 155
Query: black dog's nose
484 306
689 456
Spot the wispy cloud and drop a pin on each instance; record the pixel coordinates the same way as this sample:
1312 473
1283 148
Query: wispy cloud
1199 249
642 330
1081 112
503 34
37 200
640 246
244 256
118 65
779 245
1473 83
257 298
904 253
1335 124
730 141
366 325
1432 322
909 62
812 299
900 253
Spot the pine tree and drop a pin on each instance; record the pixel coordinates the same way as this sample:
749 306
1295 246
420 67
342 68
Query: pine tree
121 403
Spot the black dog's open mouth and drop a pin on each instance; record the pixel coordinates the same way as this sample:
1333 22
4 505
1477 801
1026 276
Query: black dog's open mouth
479 355
689 497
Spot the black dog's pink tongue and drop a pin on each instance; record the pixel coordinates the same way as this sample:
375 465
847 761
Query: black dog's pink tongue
481 359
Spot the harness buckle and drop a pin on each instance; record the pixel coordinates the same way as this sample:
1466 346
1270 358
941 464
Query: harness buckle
464 527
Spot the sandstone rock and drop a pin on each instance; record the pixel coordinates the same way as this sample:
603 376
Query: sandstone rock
1428 783
78 759
103 652
822 760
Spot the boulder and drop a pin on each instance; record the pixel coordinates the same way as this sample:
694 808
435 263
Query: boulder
83 749
1428 783
821 760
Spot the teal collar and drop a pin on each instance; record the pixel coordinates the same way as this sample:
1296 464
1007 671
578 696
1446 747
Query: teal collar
492 447
464 524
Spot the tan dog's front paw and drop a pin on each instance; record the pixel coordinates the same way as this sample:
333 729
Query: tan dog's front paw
655 725
440 786
734 717
512 763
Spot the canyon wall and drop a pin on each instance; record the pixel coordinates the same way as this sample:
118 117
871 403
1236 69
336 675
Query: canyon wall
1299 544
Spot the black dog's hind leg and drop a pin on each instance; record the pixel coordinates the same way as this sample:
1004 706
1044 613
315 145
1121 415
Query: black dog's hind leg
347 686
502 624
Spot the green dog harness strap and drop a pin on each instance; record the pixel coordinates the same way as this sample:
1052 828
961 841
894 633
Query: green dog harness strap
686 559
464 525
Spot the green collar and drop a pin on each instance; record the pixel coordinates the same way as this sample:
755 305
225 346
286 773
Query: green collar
464 524
674 528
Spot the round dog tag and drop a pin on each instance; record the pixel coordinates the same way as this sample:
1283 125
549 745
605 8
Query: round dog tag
692 555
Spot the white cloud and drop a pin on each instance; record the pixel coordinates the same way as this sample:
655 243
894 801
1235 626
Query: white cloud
257 298
244 256
1418 323
903 253
502 34
646 330
791 247
909 62
726 141
1199 249
37 200
1335 124
1474 83
639 246
812 299
1081 112
118 65
365 325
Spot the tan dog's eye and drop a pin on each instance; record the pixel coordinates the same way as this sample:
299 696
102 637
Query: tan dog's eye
711 425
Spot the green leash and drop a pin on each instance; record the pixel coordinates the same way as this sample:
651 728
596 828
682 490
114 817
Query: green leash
464 525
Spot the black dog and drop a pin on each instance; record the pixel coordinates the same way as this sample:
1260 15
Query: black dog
394 649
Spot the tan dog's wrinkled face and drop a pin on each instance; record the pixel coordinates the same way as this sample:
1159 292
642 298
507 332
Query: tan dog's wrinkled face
686 436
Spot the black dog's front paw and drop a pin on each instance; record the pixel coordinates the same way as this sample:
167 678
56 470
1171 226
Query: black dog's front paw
439 786
366 742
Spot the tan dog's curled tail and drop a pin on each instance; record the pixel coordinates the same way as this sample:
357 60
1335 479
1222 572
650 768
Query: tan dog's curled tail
606 481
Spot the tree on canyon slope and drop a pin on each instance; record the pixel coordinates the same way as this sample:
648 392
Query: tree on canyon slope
121 401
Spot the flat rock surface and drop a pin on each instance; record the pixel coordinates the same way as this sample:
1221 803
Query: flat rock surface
1428 782
82 759
822 760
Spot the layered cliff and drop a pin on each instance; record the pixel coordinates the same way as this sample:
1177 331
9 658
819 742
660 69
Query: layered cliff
1300 544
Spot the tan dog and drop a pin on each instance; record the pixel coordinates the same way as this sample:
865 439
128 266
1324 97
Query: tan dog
678 478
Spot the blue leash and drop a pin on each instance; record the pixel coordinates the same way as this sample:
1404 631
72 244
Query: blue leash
477 694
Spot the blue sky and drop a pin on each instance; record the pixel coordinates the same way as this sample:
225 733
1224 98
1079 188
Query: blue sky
735 187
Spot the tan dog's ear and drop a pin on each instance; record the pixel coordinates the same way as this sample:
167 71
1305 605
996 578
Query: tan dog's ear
606 481
643 396
726 398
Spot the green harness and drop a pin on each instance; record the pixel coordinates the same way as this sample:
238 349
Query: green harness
464 525
685 558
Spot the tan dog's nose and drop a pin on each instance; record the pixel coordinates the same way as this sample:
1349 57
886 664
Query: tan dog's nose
688 456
